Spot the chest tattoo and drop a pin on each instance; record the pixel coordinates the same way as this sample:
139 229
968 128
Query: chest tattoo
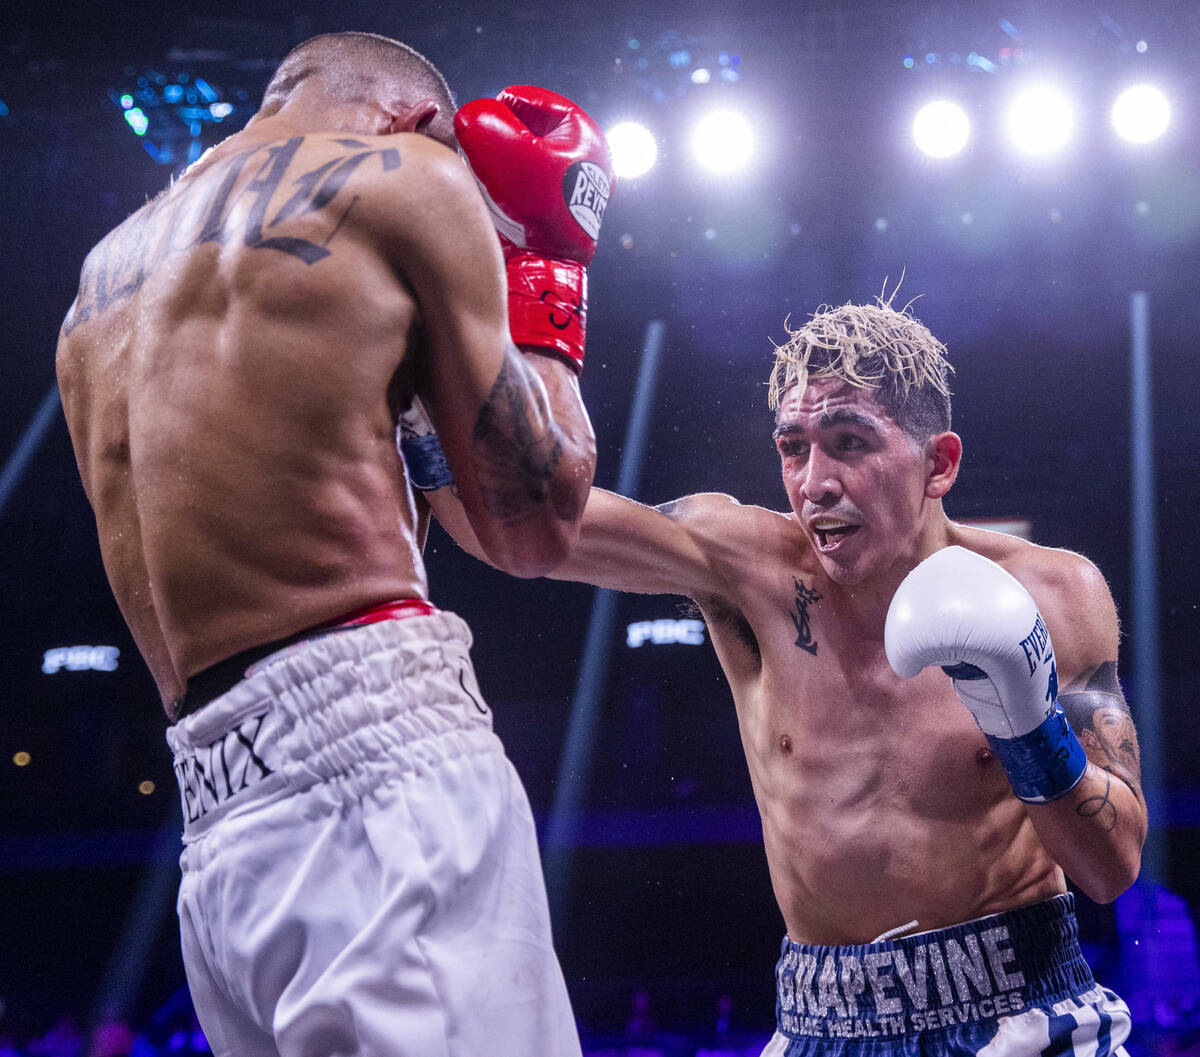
805 597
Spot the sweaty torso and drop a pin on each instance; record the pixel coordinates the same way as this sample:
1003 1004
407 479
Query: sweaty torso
227 371
880 801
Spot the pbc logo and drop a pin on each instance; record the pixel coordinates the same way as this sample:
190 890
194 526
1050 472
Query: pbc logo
586 190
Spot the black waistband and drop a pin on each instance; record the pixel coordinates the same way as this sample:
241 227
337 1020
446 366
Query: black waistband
974 972
212 682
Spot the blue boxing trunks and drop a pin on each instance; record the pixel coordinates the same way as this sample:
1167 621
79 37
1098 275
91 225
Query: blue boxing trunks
1009 985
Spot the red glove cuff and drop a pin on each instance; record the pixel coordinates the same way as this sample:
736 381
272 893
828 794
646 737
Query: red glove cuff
547 306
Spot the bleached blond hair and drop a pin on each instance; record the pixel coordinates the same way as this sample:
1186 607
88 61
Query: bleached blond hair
873 346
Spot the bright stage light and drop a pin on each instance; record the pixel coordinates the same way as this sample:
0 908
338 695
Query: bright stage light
1040 120
634 151
137 120
722 141
941 129
1141 114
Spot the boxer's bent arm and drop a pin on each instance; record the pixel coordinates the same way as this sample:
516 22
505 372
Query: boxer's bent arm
521 474
627 546
1095 832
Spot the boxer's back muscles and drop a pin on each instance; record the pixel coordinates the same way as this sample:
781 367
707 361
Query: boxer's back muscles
231 371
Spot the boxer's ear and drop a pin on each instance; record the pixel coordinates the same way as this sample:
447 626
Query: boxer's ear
943 452
412 117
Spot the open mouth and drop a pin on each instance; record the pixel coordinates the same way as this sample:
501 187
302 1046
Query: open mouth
830 535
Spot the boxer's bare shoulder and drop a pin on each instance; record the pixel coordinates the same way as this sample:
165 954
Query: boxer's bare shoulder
250 324
730 531
703 546
1070 591
289 201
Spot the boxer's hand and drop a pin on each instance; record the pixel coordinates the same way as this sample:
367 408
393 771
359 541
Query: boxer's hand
959 610
545 171
421 450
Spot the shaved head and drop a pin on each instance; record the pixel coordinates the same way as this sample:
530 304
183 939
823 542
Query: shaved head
357 68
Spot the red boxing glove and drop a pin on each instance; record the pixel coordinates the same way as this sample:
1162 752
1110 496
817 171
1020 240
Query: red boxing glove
545 171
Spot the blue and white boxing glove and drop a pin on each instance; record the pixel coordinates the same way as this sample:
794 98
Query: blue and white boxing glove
423 456
962 611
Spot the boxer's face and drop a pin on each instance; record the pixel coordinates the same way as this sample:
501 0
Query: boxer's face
855 479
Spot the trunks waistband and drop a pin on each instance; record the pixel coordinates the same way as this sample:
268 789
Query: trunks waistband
978 971
212 682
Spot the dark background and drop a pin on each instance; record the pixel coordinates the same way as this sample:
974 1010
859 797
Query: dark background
1025 269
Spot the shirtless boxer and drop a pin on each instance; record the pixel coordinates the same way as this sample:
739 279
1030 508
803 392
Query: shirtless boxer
360 870
917 848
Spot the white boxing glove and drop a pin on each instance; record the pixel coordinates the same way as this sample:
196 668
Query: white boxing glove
963 612
418 444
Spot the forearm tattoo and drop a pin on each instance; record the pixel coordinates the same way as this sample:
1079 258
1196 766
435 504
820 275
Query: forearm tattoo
515 457
1096 709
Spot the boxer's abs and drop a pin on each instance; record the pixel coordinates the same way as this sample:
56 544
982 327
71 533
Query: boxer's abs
880 802
233 428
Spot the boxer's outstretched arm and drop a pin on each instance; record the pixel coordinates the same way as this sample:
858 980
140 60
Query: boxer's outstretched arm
522 467
627 546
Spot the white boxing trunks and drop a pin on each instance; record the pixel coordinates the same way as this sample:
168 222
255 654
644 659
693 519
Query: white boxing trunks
360 866
1009 985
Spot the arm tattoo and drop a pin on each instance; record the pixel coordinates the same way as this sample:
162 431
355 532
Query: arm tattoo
1100 807
1097 712
515 461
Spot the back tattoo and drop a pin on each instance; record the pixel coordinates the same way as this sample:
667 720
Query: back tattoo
184 217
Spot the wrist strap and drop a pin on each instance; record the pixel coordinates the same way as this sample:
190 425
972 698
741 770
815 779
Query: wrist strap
426 463
418 443
1045 764
547 306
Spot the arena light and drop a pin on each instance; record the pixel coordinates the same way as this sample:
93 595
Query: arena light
171 114
1141 114
634 150
137 120
1041 120
723 141
941 129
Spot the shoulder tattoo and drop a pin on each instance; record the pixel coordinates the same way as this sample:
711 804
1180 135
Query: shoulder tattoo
206 210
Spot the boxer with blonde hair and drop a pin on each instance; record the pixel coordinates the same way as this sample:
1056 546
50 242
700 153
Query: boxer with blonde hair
918 849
